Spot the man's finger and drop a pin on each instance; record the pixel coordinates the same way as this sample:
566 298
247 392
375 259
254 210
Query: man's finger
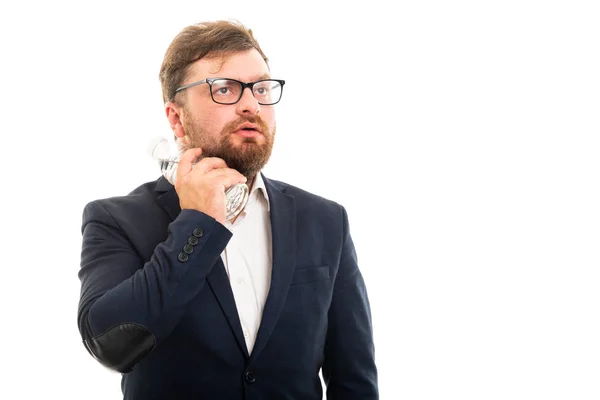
209 163
186 161
227 177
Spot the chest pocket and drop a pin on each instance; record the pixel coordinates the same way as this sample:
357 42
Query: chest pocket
310 274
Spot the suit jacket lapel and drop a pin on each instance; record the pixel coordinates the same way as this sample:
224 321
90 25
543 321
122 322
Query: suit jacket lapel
221 287
283 231
167 197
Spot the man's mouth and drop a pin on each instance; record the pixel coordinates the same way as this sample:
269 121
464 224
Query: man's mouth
247 130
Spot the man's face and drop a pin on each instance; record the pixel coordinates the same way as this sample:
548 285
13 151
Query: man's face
219 129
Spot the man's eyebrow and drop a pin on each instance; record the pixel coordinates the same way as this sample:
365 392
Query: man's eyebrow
259 77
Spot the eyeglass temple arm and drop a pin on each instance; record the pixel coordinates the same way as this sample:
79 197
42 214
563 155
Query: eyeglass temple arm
191 85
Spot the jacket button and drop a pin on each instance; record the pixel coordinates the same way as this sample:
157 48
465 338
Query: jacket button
250 378
183 257
198 232
188 249
193 240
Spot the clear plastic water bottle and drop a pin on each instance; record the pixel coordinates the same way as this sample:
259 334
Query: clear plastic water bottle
167 153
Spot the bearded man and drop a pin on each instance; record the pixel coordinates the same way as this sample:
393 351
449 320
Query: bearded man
188 304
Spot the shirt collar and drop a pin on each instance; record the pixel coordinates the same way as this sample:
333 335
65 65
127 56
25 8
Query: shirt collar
259 185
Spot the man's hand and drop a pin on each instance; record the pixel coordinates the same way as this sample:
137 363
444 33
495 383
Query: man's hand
202 186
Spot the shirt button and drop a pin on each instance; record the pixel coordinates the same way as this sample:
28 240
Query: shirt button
246 334
198 232
250 378
240 280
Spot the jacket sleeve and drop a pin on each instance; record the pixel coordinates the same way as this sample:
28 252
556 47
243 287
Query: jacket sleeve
349 369
127 306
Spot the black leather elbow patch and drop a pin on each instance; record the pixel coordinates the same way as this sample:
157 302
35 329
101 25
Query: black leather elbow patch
121 347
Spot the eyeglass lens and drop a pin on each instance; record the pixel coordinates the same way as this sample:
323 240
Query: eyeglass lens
227 91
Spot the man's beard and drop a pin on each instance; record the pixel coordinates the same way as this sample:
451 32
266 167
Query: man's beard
248 157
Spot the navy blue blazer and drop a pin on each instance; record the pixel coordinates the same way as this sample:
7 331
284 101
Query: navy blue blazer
156 303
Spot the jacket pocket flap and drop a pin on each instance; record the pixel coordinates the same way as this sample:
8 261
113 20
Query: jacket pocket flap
311 274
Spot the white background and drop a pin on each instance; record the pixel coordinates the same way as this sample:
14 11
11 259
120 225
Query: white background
462 137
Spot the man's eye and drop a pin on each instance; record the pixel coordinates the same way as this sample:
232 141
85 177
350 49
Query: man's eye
223 90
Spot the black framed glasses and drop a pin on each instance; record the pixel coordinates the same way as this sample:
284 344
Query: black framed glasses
229 91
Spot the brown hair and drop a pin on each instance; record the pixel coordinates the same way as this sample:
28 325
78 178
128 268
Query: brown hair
212 39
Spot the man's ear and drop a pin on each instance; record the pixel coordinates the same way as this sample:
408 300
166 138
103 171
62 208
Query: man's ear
174 117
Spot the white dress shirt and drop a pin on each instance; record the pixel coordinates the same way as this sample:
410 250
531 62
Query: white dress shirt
248 260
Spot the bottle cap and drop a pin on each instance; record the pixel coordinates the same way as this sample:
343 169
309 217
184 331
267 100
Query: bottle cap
159 148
